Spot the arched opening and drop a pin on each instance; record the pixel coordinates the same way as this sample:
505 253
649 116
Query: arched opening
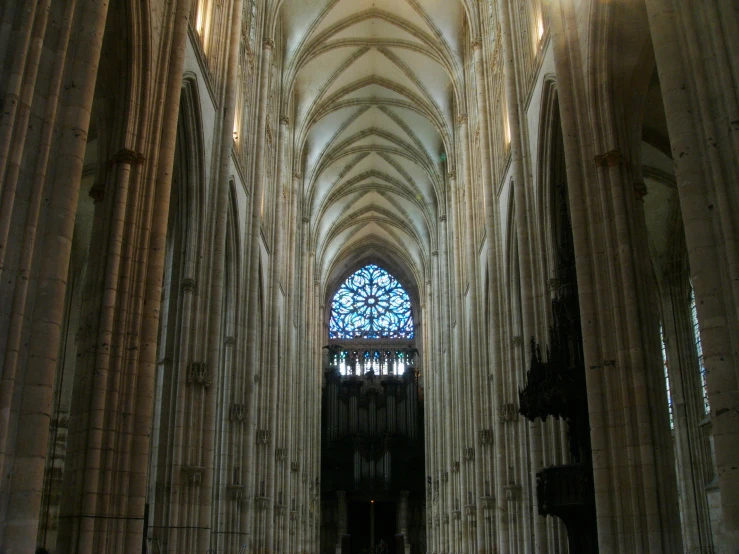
555 383
372 449
180 375
683 368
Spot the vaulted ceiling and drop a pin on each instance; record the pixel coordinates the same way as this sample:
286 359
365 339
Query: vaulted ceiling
373 85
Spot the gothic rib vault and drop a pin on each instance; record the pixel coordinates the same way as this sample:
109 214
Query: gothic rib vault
185 184
372 87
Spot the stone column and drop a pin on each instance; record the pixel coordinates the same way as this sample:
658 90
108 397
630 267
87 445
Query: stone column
26 481
522 217
304 393
161 184
617 325
217 278
706 170
254 279
472 476
315 419
30 231
275 367
18 62
452 400
17 109
293 430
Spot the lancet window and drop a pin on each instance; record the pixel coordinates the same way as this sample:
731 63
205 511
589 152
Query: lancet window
699 349
667 376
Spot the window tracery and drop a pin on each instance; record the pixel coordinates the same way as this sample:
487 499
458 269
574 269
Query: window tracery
371 304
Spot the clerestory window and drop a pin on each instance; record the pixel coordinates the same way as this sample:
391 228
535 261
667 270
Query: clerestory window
371 304
667 376
699 349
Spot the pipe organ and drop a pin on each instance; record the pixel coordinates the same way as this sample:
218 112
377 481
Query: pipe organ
372 430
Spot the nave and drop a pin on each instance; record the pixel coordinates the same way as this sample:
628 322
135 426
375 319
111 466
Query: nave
352 276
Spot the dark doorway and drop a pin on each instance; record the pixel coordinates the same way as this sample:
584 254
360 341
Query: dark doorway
360 523
385 525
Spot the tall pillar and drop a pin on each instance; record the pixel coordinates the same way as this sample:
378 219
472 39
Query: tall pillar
161 181
619 330
253 302
698 109
469 476
522 216
26 477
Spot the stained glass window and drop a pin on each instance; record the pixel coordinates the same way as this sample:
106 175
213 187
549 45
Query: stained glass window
699 349
667 376
371 304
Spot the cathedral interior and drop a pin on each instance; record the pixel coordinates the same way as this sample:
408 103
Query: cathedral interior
369 276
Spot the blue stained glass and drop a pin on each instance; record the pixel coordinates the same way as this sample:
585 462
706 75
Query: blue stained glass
371 304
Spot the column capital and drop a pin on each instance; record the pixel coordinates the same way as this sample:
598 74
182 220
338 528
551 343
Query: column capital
188 284
640 190
268 43
199 374
553 284
442 218
97 192
610 159
512 492
127 156
462 118
193 474
452 175
476 43
284 120
297 175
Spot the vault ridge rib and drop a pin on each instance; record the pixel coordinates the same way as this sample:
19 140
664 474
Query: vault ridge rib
363 192
414 137
334 77
342 174
438 120
359 17
326 47
327 147
359 224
